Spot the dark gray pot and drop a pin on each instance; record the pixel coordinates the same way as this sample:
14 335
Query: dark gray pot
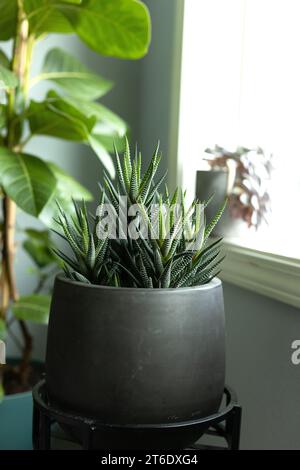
136 356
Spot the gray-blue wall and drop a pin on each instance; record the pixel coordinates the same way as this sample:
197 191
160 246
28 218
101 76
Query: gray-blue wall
259 336
156 81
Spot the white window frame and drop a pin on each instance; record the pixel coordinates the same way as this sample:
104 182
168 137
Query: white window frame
266 273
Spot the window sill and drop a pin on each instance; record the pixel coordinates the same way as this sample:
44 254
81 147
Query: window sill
268 274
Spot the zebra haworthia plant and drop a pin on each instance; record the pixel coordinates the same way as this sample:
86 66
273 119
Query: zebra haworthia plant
163 243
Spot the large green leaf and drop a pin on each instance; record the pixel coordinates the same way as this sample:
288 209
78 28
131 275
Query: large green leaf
118 28
44 17
38 246
8 19
7 78
4 60
33 308
67 72
107 122
58 118
109 130
66 189
26 179
3 329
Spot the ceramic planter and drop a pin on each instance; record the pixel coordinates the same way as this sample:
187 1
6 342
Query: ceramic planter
136 356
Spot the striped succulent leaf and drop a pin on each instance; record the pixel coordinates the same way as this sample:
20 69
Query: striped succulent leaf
90 254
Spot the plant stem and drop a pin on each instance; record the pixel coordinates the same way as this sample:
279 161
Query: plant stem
5 294
25 142
16 340
9 211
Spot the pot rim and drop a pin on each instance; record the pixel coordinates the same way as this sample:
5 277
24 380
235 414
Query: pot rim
215 282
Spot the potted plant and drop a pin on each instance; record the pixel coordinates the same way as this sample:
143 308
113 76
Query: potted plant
243 177
33 184
136 329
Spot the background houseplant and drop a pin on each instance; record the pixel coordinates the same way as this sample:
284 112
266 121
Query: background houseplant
138 322
243 176
120 29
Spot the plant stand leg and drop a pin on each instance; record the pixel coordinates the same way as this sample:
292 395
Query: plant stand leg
233 428
35 427
44 432
87 437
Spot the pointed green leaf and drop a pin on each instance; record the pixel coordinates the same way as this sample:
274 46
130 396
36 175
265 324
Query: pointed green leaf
127 167
155 188
7 78
119 28
166 275
33 308
80 278
149 175
143 271
76 79
215 220
27 180
210 249
205 276
67 261
133 190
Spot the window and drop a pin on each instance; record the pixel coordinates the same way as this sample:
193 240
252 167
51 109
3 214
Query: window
240 85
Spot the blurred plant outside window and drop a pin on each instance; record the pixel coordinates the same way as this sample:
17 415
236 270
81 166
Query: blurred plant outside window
240 85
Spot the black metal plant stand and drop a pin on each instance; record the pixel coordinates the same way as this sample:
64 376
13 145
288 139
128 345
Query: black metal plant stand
226 423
